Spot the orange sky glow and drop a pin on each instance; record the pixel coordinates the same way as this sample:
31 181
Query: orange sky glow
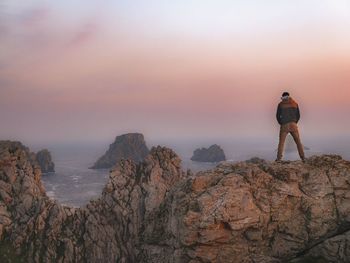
85 75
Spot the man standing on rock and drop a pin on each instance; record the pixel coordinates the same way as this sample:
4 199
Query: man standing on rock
288 115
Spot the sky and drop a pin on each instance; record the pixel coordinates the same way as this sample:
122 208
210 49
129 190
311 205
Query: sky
89 70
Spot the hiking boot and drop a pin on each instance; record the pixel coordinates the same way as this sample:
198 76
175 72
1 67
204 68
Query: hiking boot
303 159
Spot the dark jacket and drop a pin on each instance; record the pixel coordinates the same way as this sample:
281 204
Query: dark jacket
287 111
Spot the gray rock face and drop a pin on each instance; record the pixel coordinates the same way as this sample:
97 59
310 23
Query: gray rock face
212 154
45 162
153 212
128 146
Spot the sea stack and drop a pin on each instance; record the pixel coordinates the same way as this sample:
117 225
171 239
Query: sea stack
128 146
212 154
45 162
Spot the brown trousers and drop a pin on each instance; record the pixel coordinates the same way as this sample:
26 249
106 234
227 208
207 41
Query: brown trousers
291 128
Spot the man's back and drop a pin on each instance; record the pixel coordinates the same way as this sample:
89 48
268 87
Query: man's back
287 111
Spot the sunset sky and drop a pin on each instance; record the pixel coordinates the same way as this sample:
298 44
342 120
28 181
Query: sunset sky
88 70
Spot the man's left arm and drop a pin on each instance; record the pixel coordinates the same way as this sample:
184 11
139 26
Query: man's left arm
298 114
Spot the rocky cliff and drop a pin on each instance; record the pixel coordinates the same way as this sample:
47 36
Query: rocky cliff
212 154
45 162
154 212
128 146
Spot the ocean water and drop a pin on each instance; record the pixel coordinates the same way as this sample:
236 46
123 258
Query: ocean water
75 184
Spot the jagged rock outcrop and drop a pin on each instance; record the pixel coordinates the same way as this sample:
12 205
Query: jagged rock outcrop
45 162
212 154
153 212
128 146
34 228
265 212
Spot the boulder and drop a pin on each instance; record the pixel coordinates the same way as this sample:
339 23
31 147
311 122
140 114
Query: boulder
45 162
128 146
212 154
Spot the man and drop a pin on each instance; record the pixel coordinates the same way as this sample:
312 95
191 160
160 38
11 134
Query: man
288 115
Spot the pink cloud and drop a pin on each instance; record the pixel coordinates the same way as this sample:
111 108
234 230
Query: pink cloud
35 16
84 34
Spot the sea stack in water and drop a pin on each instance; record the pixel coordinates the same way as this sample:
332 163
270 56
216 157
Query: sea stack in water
45 162
212 154
128 146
